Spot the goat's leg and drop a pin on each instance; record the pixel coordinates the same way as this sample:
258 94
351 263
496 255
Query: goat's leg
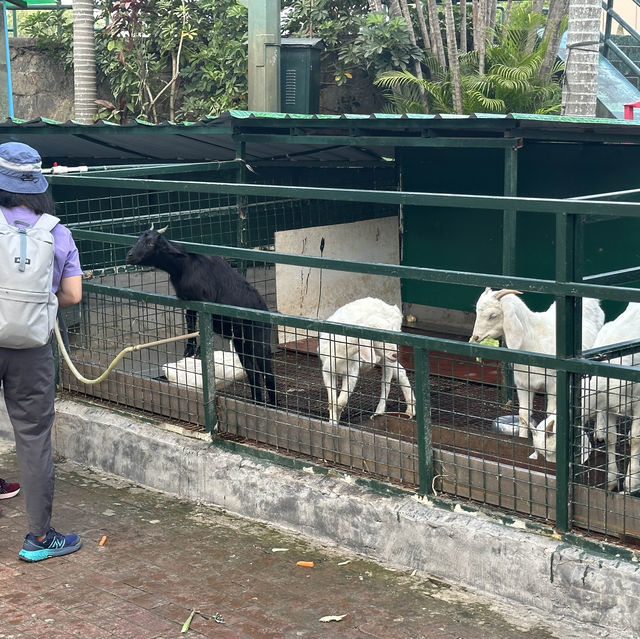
525 398
608 425
244 349
331 384
387 375
191 348
349 381
407 390
632 477
263 362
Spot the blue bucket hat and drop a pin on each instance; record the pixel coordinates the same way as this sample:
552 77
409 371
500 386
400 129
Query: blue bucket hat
21 169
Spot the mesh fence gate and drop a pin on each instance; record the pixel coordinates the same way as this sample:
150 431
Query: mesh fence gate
463 438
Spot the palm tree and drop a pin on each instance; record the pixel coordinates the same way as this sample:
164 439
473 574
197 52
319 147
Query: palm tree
84 62
511 82
581 85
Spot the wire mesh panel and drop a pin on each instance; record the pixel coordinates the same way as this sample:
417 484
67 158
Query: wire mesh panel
607 454
402 406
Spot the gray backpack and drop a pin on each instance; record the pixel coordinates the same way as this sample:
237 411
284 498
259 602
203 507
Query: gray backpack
27 305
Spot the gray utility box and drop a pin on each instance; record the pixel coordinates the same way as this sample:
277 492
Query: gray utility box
300 74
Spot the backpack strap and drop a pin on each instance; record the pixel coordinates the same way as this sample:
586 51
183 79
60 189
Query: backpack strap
47 222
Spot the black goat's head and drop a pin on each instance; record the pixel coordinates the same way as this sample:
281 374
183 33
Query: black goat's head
149 244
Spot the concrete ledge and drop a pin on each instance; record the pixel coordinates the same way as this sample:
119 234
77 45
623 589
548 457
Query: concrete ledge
466 548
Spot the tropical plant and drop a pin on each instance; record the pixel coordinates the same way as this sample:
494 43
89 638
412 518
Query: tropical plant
161 59
511 81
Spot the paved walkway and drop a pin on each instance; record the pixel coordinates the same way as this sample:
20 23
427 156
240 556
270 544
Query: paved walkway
164 557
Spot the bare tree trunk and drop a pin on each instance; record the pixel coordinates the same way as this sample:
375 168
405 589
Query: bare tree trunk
452 51
480 34
424 31
579 95
557 10
412 36
394 8
84 62
507 12
463 26
536 7
436 34
491 16
375 6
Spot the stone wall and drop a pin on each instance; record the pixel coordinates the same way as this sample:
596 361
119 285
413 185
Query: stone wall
41 86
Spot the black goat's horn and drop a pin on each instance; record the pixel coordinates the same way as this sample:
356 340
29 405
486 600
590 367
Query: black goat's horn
151 229
164 229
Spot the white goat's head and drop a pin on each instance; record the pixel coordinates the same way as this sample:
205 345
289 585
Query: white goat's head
387 351
489 314
544 438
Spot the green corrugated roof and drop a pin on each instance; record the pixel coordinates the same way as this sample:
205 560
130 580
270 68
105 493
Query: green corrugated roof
274 136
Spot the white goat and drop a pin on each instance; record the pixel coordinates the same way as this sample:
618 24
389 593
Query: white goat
503 314
188 371
344 356
607 399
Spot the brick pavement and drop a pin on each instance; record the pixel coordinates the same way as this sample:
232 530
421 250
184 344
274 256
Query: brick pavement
164 557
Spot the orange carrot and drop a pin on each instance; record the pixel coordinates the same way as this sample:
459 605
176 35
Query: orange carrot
102 541
306 564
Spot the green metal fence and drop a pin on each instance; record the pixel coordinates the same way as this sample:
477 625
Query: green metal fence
454 445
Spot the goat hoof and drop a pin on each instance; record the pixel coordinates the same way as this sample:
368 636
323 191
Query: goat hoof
534 455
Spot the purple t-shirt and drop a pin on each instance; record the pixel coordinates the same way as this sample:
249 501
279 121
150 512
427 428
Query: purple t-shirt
65 261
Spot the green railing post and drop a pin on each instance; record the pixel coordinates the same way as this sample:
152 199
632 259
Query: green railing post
242 207
607 28
509 239
208 373
423 420
569 235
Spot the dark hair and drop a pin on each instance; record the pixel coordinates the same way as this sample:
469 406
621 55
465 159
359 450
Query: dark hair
38 202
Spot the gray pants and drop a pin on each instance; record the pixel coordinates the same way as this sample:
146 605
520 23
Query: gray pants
27 377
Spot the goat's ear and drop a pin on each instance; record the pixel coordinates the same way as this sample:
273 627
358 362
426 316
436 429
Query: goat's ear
512 327
163 229
551 426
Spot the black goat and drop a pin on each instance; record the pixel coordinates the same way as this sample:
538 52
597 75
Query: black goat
210 278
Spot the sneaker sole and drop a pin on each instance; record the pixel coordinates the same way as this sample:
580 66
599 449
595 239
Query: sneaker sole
47 553
9 495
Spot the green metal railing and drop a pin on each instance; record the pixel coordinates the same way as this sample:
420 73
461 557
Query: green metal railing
610 49
568 286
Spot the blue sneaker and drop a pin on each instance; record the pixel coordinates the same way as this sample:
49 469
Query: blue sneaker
53 545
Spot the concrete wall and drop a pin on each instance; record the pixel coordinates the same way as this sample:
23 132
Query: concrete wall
41 86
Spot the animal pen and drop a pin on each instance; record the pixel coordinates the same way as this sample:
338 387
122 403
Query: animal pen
304 239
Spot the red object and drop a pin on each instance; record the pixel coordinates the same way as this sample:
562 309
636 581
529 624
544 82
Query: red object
628 110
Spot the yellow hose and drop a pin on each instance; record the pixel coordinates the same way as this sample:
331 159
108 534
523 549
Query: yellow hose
119 356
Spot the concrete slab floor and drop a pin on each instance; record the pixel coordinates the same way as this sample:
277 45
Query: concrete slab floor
164 557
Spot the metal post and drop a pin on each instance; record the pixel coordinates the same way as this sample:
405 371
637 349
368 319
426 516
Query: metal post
6 92
569 232
509 240
242 202
264 54
607 29
208 373
423 420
